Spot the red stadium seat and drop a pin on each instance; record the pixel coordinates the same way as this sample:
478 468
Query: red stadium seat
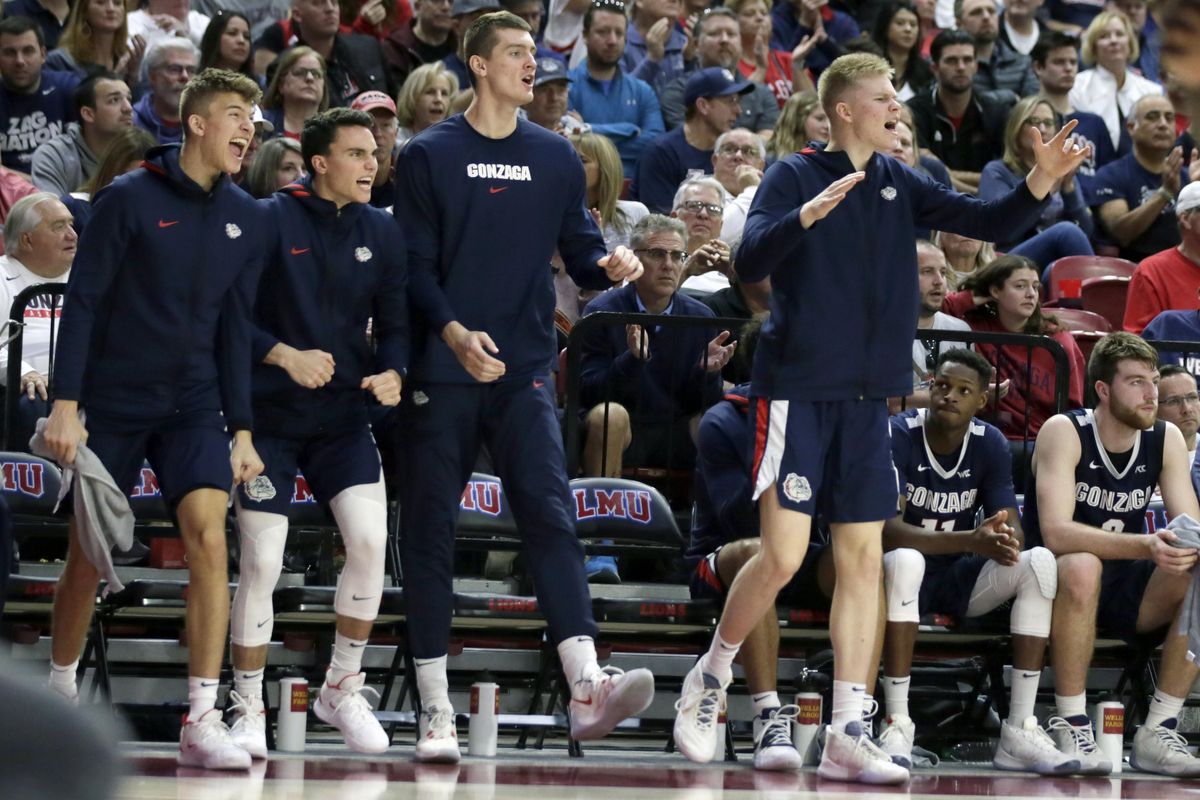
1084 267
1076 319
1106 296
1087 341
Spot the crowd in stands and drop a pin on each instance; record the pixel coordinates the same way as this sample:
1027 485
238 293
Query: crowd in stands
676 108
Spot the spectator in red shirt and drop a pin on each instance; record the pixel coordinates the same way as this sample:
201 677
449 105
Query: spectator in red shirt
1168 279
781 71
1004 297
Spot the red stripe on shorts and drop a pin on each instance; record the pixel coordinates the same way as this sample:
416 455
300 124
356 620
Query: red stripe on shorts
761 426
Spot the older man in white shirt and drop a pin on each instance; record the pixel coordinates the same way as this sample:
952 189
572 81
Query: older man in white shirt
39 244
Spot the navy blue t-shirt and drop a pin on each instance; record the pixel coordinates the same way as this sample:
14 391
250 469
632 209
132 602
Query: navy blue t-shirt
1107 498
1075 12
1091 128
1176 326
1126 179
664 166
947 493
33 119
51 27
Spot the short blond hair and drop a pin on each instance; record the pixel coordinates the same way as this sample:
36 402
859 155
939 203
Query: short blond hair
844 74
1092 35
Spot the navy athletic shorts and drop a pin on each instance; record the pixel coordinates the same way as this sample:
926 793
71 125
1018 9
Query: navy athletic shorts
1122 585
187 451
832 458
330 463
947 588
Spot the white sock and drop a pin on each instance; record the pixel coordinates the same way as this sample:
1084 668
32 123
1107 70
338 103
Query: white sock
62 679
718 661
1023 695
248 683
347 659
847 704
764 701
202 696
432 683
895 695
578 657
1163 707
1071 705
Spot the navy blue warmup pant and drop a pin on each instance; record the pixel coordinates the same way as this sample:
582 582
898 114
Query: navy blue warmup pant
443 427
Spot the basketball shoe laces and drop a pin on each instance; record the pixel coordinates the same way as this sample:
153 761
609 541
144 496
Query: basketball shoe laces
441 722
1172 739
777 731
1085 740
707 708
599 682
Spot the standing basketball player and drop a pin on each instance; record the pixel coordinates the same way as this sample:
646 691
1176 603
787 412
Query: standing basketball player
154 344
335 263
1095 472
485 198
842 264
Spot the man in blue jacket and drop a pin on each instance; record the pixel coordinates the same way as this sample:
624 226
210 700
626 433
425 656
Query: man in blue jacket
841 260
480 237
335 264
654 382
613 102
154 344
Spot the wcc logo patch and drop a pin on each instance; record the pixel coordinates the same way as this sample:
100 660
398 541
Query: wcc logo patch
796 488
362 254
232 231
260 489
888 193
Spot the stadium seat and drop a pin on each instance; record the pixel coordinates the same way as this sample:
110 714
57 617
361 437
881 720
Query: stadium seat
1087 341
1084 267
1106 296
1076 319
30 484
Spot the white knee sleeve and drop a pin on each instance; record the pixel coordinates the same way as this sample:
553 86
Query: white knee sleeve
262 537
1031 584
361 514
903 571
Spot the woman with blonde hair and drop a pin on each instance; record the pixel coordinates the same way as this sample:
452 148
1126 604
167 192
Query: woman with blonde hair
1110 87
604 179
96 34
1066 223
801 121
424 99
296 92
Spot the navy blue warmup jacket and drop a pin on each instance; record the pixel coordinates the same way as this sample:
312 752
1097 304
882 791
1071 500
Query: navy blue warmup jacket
482 218
671 385
844 292
327 273
157 312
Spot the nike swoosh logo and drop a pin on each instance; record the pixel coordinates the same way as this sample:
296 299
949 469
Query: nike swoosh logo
264 622
537 384
496 189
1094 465
1031 674
857 689
907 602
355 644
207 685
48 91
297 251
587 702
162 223
13 278
424 663
356 597
922 468
897 683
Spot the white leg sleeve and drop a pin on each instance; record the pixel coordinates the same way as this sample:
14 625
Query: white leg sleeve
903 571
1031 584
361 514
262 537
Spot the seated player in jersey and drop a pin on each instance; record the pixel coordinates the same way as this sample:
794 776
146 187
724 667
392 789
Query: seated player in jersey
724 537
1094 473
952 467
